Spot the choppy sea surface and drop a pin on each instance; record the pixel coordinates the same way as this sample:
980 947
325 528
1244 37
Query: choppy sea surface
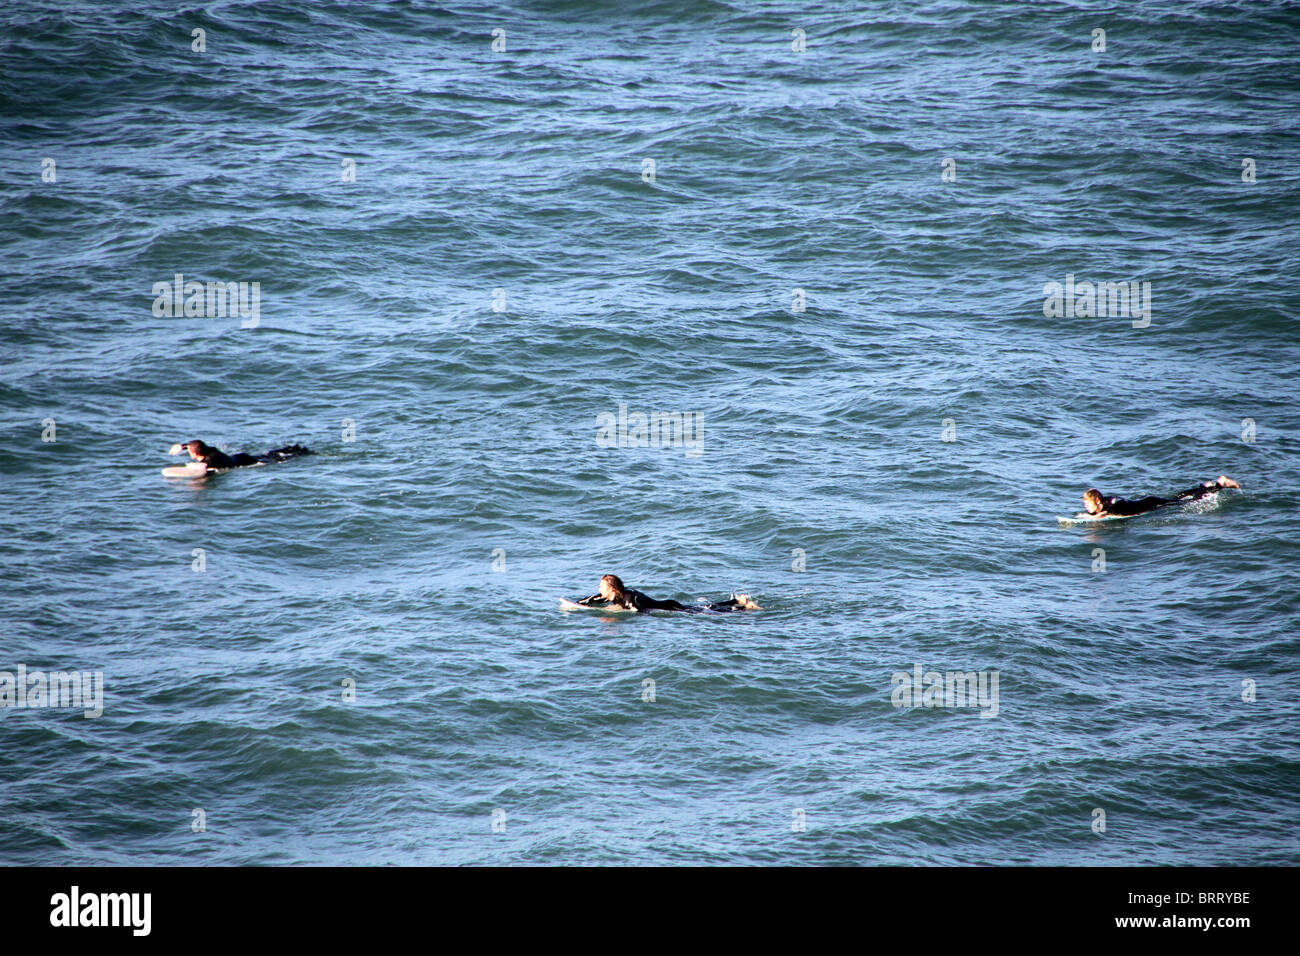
829 252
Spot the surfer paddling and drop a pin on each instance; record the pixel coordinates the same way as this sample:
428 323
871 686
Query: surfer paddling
614 592
1106 506
207 459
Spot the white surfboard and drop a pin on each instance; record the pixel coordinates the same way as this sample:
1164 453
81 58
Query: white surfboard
567 605
1090 519
195 469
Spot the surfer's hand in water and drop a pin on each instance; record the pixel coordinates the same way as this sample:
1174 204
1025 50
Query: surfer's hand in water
176 449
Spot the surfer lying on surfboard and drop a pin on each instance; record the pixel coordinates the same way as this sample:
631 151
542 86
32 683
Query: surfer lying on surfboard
206 458
1106 506
612 591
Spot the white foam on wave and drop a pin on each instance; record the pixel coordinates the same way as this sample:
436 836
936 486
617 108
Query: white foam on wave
1202 505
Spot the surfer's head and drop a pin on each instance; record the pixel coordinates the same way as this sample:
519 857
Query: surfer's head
1092 501
612 589
198 451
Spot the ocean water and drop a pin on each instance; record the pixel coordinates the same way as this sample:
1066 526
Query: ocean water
451 318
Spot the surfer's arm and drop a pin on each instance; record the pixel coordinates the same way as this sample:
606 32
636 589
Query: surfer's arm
1127 508
639 602
644 602
589 600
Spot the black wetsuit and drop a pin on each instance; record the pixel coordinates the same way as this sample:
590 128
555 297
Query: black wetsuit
639 602
1123 507
215 459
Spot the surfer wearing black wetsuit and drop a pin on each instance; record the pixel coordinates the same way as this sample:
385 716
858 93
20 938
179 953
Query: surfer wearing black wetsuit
613 591
1104 506
217 460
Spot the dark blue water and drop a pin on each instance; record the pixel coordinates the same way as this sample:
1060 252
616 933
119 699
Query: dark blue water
880 458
